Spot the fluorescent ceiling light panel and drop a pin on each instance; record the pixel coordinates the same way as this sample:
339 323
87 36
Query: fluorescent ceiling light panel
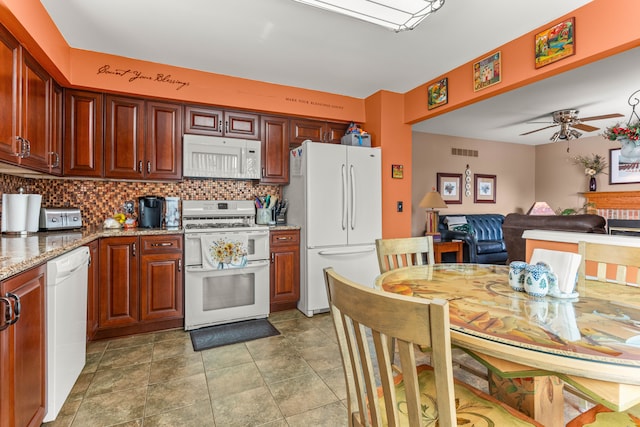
398 15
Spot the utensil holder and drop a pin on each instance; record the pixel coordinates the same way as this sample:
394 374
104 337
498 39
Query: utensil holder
263 216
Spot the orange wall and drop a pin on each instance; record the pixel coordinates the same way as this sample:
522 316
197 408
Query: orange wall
602 28
385 123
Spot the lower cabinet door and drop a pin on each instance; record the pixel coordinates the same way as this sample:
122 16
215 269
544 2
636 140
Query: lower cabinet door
22 355
161 287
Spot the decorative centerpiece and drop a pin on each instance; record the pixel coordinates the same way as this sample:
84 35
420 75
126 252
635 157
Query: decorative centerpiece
629 138
593 166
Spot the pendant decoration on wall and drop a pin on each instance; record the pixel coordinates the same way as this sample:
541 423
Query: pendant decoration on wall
467 182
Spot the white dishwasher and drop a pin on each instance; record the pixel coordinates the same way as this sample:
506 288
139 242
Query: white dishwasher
66 325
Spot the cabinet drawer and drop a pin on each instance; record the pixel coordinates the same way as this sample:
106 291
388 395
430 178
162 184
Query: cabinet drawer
284 238
161 244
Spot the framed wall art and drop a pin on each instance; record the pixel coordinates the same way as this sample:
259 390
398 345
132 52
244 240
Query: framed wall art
485 188
396 171
450 187
438 93
555 43
623 170
487 72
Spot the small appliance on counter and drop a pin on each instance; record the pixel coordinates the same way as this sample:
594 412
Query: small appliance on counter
150 211
52 219
20 212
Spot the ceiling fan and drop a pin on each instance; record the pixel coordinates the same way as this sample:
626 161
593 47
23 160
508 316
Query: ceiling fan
569 121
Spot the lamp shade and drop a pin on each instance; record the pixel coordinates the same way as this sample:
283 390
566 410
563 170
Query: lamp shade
432 200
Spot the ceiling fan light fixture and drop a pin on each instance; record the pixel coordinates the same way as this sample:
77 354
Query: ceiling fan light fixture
398 16
574 134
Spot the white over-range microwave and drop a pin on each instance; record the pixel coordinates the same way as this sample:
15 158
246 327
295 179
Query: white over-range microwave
220 157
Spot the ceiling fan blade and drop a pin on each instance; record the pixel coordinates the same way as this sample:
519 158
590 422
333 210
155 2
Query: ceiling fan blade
605 116
586 128
546 127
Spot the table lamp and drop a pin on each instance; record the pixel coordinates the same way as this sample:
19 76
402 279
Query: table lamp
432 200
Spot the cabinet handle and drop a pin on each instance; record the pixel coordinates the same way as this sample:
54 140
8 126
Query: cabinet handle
133 249
27 148
8 313
162 244
22 150
140 166
273 258
226 126
283 238
56 162
148 167
16 310
179 266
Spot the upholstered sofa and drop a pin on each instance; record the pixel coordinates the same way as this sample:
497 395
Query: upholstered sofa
484 243
515 224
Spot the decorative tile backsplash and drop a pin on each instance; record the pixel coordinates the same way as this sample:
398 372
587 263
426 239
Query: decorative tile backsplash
101 199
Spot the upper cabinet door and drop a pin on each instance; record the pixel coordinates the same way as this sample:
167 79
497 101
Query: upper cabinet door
83 133
302 130
35 114
163 155
124 138
217 122
275 150
9 76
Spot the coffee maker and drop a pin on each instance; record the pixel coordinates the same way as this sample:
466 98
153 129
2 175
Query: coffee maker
150 211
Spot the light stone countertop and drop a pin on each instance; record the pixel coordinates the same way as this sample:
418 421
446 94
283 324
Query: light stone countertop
20 253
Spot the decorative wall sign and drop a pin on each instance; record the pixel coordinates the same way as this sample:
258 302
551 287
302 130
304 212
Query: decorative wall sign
450 187
396 171
487 72
135 75
438 93
623 170
555 43
485 188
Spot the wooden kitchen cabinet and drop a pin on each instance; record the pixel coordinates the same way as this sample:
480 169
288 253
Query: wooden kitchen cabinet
26 97
118 287
285 269
161 284
83 133
143 139
316 130
22 355
201 120
275 150
93 289
141 285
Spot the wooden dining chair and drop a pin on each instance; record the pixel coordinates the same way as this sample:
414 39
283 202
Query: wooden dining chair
624 261
365 319
613 264
404 252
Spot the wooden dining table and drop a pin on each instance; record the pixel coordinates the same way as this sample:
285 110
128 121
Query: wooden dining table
533 346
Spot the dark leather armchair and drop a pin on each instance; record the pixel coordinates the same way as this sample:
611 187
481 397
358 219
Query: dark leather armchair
515 224
484 243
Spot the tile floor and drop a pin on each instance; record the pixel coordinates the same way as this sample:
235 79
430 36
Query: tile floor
294 379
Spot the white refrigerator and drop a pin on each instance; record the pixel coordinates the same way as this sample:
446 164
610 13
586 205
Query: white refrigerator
334 194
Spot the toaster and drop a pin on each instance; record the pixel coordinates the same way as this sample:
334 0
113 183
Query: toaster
60 219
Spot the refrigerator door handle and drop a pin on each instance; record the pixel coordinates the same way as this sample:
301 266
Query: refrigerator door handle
346 252
352 178
344 197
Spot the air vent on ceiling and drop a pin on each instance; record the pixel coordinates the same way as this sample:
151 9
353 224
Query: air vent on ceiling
464 152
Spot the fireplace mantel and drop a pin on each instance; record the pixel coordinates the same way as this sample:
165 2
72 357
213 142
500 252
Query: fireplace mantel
613 199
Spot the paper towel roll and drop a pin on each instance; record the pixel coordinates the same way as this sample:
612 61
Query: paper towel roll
14 212
33 212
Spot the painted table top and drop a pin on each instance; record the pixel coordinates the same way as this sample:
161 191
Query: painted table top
596 335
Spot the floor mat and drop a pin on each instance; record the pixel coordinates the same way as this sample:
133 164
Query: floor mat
231 333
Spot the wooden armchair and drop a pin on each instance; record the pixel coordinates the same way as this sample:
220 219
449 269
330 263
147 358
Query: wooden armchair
365 319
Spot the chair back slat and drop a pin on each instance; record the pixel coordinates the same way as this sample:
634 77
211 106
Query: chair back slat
365 321
614 263
404 252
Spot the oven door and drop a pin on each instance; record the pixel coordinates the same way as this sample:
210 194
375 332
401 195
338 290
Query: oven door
229 295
